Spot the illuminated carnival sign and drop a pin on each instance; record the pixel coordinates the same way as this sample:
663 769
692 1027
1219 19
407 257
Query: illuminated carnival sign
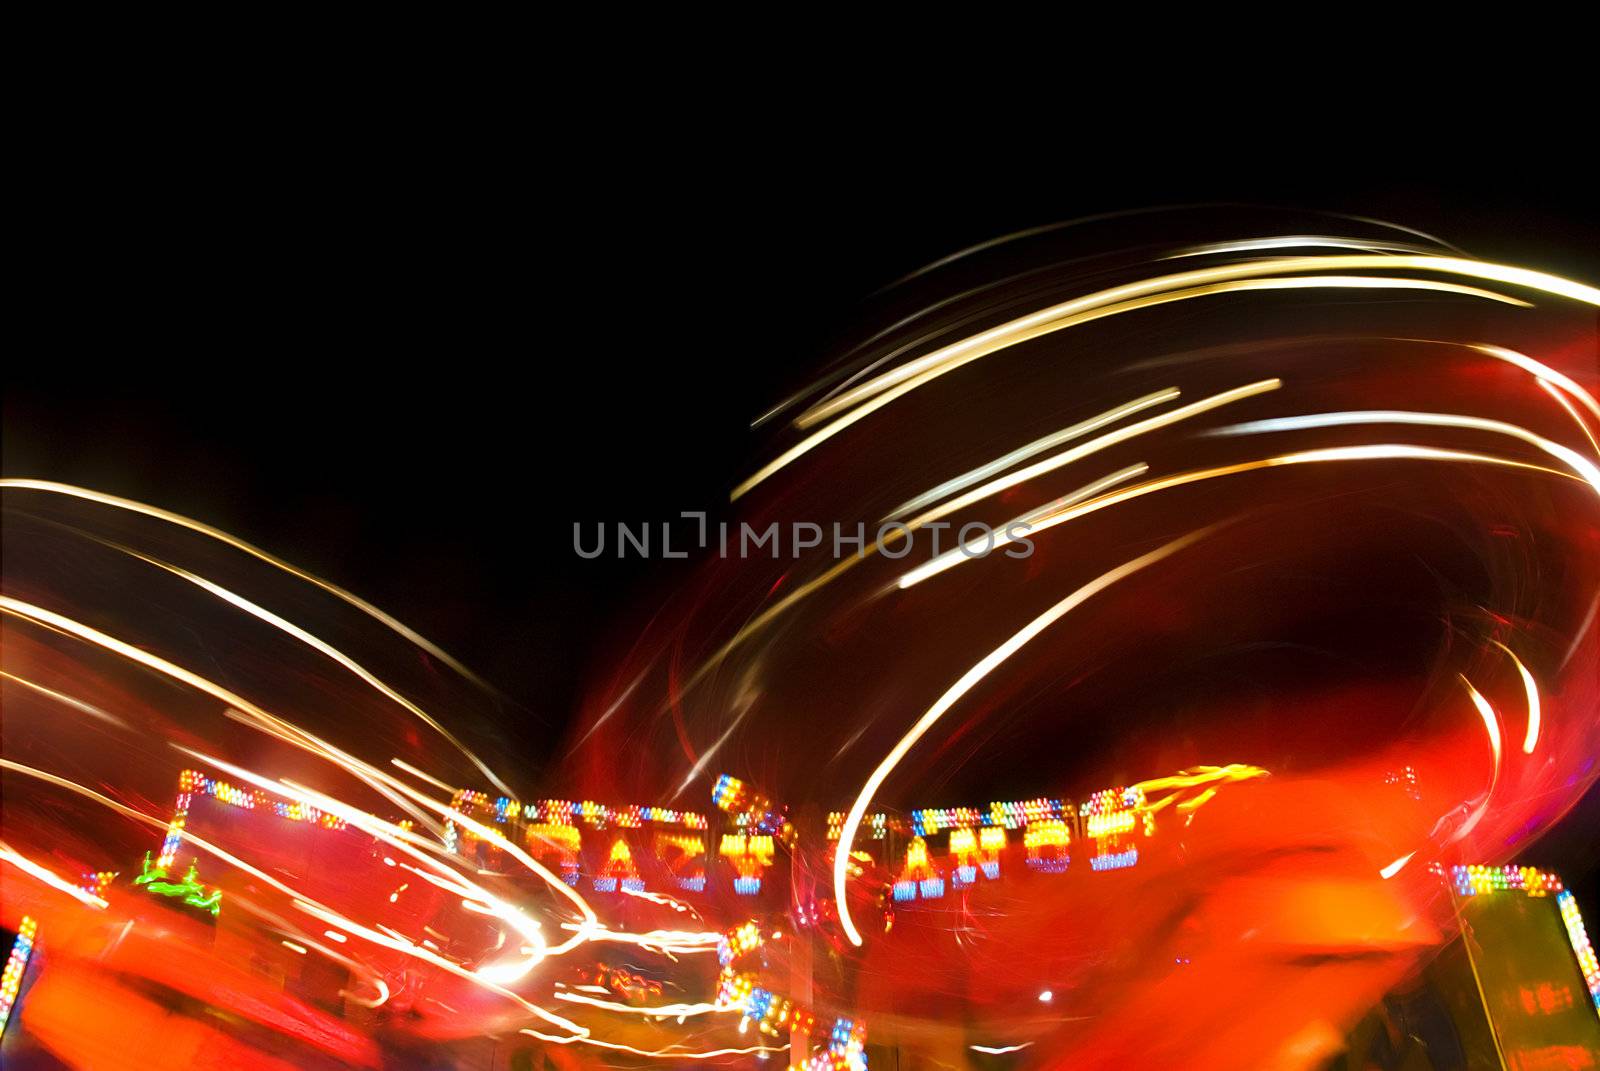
1473 881
553 832
192 783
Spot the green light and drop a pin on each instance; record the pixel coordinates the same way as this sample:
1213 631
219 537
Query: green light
189 890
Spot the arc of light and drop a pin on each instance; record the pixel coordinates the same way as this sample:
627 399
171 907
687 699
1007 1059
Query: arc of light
1195 408
1491 725
53 487
1094 446
389 834
327 650
47 876
661 1054
67 700
811 587
311 907
1058 316
960 688
422 776
1542 371
1531 687
900 381
1586 469
255 716
1370 452
1022 453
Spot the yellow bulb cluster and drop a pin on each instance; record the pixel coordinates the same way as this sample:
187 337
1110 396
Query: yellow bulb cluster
16 965
1106 825
1476 880
558 843
95 884
1109 800
933 819
619 870
875 826
772 1013
750 855
1579 937
1023 813
684 854
232 795
1052 833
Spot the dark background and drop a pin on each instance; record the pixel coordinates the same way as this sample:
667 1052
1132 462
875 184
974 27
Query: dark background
410 362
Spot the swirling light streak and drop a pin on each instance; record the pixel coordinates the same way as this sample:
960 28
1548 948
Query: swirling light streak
1491 725
1059 316
953 695
384 830
811 587
388 938
1038 446
48 877
1372 452
1301 241
322 647
999 1050
1543 372
661 900
414 845
671 943
392 623
1586 469
849 376
253 715
908 383
383 937
1530 688
1094 446
1395 867
391 834
421 775
672 1053
874 394
659 1011
66 700
1577 418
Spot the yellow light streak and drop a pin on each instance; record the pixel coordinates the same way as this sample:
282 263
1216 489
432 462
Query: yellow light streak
49 877
960 688
1531 688
896 383
1093 446
1372 452
1038 446
53 487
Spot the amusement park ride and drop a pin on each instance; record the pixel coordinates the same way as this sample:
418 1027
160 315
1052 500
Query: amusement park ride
1518 989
